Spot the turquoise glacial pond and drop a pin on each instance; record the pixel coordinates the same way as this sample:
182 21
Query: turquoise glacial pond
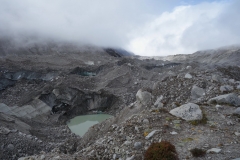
80 124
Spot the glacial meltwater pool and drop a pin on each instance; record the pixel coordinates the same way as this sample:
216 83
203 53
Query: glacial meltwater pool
80 124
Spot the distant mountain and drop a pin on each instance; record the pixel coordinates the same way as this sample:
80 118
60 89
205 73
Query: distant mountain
221 56
117 52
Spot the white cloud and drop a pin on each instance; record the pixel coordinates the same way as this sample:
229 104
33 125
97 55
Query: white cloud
187 29
141 26
104 23
69 20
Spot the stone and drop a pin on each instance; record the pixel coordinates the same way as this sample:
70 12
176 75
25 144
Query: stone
130 158
230 123
231 80
144 97
4 130
173 133
145 121
226 88
188 112
10 147
230 99
114 156
217 78
236 159
138 145
238 86
188 76
214 150
158 102
218 107
29 136
237 133
127 143
189 67
151 134
42 157
136 129
237 111
197 92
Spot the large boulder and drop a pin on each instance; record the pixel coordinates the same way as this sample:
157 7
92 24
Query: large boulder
197 92
144 97
188 112
230 99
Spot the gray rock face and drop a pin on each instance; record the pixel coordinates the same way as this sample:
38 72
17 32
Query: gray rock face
188 76
188 112
237 111
226 88
144 97
197 92
230 99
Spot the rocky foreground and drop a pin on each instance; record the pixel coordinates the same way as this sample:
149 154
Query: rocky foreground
191 104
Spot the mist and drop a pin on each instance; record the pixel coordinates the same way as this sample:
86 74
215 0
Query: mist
150 28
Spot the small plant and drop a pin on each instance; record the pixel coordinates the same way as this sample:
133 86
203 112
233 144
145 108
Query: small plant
202 121
161 151
196 152
145 134
163 110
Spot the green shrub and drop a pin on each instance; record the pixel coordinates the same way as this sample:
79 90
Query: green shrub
161 151
196 152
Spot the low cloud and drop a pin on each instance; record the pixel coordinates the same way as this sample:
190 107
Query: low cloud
104 23
141 26
189 28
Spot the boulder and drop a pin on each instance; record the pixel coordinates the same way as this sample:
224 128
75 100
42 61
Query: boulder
197 92
230 99
226 88
188 112
144 97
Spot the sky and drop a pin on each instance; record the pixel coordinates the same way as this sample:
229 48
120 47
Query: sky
144 27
